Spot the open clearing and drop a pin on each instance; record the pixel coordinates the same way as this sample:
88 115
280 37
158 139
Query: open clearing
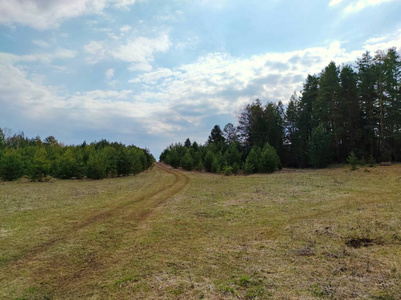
295 234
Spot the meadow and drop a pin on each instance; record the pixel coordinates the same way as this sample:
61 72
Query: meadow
169 234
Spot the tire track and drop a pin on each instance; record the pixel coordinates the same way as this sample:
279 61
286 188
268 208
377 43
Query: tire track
181 180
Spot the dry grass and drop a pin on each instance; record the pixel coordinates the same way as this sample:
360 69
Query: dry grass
331 233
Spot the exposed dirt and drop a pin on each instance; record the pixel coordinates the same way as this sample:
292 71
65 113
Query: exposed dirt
362 242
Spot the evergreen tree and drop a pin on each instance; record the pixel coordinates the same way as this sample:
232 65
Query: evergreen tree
230 133
352 134
368 99
96 167
306 122
40 165
253 161
11 166
319 147
187 143
209 157
187 162
269 161
216 136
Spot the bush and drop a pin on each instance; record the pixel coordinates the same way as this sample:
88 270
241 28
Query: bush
249 168
352 160
200 167
235 168
228 170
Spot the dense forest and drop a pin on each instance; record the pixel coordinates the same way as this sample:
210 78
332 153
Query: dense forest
345 111
38 159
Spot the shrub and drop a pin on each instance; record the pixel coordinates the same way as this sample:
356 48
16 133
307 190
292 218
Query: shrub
249 168
200 167
235 168
228 170
352 160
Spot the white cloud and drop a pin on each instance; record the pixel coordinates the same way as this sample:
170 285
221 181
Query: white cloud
59 53
40 43
141 49
30 101
43 15
335 2
362 4
189 43
139 52
153 77
96 50
384 42
125 28
109 74
220 84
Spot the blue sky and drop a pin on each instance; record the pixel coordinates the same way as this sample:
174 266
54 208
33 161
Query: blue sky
152 72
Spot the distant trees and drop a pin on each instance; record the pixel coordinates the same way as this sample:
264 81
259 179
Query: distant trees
222 153
37 159
343 110
346 109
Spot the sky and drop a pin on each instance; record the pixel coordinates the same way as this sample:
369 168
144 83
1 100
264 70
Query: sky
155 72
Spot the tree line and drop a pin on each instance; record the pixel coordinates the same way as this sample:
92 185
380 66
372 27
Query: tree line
38 158
344 111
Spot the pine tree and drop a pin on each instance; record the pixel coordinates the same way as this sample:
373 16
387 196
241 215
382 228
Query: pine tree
11 166
319 147
187 162
352 134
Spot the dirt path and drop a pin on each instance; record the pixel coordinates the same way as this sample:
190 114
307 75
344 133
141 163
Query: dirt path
123 218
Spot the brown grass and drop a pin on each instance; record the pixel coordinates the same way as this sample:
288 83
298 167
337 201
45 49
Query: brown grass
167 234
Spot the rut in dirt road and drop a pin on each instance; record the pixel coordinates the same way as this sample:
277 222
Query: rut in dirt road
157 198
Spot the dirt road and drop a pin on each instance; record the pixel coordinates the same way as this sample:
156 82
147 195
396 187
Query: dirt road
99 242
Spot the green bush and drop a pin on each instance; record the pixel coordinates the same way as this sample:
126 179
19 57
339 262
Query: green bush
249 168
200 167
352 160
228 170
235 168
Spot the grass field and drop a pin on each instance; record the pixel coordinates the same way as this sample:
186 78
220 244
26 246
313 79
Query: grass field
167 234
